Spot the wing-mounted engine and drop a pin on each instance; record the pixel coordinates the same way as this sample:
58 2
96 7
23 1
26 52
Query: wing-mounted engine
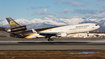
62 34
17 29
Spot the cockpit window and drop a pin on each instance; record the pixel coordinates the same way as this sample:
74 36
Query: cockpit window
96 25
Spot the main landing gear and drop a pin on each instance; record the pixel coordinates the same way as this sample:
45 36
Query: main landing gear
49 38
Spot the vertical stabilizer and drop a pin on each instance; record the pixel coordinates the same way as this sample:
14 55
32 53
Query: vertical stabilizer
12 23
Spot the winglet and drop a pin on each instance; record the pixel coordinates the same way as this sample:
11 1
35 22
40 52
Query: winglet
34 31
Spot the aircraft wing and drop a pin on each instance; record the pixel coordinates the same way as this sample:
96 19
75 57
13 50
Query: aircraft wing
48 33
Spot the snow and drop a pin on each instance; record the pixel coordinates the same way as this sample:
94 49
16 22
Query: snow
52 20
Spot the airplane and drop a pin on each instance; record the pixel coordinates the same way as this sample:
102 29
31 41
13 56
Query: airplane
17 30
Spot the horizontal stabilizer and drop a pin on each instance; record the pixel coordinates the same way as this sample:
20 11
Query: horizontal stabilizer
34 31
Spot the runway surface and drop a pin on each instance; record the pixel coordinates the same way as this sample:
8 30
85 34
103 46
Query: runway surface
57 44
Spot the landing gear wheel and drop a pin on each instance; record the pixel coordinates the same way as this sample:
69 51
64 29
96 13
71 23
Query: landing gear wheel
49 40
52 39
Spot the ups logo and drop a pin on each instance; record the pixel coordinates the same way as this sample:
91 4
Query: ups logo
12 23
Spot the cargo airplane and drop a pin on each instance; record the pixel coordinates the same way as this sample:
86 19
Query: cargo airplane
21 31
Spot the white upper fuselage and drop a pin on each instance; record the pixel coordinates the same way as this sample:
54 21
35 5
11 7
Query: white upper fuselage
67 29
74 28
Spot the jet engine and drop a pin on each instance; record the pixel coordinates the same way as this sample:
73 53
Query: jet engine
16 29
62 34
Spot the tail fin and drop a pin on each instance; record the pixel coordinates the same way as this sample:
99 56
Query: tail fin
12 23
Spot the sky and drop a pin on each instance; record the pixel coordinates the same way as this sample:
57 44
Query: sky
30 9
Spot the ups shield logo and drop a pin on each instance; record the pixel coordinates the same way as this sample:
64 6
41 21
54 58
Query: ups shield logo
12 23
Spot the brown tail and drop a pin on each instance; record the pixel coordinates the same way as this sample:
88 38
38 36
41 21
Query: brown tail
12 23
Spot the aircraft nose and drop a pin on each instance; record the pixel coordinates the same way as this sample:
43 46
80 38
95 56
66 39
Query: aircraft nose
97 26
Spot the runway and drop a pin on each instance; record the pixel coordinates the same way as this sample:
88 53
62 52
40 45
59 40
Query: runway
58 44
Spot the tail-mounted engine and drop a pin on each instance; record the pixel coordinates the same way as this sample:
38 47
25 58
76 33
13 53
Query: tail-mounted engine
17 29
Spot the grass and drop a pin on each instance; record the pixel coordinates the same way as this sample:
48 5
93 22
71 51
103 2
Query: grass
51 55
